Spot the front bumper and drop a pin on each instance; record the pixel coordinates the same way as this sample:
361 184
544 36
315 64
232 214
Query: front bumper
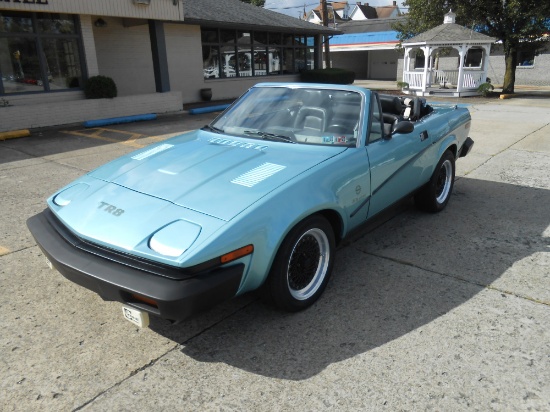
466 147
118 280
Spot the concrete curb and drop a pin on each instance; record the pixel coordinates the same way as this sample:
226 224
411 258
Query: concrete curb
13 134
209 109
117 120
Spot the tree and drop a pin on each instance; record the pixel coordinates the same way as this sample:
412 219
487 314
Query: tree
259 3
520 25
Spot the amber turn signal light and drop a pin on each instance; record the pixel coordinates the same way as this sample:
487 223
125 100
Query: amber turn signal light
236 254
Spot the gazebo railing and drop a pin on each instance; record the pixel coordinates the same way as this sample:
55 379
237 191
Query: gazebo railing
471 78
413 78
444 77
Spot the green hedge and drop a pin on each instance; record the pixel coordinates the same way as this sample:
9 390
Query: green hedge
333 76
100 87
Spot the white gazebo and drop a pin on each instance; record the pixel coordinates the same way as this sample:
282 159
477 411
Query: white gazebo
461 80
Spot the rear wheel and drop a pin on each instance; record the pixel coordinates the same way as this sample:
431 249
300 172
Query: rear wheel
436 194
302 266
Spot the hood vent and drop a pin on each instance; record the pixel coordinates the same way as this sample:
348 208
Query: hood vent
258 174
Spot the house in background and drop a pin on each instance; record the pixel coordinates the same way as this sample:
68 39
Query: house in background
338 12
366 12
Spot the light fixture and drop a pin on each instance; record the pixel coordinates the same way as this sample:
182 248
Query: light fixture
100 23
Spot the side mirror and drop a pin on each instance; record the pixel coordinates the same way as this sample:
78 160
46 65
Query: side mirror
403 127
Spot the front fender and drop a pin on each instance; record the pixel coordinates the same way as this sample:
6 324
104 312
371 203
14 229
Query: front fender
328 187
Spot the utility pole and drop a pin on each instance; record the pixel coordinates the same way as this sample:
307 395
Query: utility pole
324 16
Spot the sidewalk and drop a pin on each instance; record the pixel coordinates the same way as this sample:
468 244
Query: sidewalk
445 312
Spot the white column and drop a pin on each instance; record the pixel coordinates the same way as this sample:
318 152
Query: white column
88 40
407 66
462 52
426 51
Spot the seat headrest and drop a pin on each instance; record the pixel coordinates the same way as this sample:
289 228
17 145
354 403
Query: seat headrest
391 104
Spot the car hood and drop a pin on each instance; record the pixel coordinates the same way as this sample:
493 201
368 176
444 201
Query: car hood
213 174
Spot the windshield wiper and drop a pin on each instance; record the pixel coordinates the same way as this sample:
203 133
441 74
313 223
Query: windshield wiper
212 128
270 136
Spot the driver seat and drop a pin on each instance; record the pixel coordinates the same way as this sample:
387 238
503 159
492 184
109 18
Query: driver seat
311 118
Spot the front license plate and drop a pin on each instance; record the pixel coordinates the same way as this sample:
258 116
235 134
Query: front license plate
136 316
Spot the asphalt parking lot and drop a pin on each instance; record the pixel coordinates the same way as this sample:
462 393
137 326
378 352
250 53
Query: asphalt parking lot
442 312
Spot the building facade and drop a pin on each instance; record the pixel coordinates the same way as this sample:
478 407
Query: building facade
160 53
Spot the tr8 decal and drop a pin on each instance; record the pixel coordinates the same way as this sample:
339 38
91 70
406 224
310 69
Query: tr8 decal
106 207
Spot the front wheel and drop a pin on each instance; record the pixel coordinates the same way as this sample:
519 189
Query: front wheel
436 194
302 266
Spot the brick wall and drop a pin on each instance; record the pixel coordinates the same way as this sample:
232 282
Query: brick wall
26 116
124 54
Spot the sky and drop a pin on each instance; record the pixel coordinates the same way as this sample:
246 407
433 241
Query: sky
295 8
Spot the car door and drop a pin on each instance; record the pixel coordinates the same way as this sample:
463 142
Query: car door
397 162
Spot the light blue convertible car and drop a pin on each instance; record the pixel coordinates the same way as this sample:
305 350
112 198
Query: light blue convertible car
259 198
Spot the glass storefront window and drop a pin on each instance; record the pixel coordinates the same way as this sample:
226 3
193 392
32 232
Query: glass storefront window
288 59
299 41
209 36
274 59
275 39
15 22
56 23
63 62
233 53
299 60
211 62
288 39
19 65
260 53
244 50
49 59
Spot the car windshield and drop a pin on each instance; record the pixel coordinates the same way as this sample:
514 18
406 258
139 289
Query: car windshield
294 115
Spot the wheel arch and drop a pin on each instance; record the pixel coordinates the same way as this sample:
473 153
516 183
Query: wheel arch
453 148
335 221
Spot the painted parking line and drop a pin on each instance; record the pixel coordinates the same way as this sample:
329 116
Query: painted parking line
118 136
4 251
109 135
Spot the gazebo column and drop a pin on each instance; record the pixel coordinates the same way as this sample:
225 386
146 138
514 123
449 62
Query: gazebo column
485 63
426 51
406 64
462 53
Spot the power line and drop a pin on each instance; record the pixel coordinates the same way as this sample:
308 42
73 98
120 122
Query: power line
291 7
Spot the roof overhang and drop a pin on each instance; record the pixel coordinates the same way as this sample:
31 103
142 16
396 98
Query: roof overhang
261 27
449 43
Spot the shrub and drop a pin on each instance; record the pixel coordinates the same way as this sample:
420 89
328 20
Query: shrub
333 76
403 85
485 89
99 87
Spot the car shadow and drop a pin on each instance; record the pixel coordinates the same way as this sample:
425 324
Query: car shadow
387 282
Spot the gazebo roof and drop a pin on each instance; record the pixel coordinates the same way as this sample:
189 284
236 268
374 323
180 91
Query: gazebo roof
449 33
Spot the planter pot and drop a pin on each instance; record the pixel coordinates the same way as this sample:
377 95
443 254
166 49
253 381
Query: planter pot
206 94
